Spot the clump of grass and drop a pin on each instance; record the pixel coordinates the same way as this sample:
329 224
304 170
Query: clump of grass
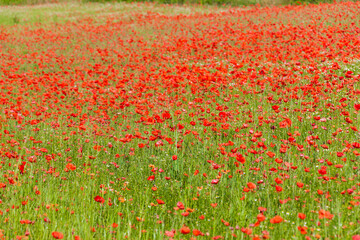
16 19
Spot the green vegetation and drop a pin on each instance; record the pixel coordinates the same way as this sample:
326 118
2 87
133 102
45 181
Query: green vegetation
74 11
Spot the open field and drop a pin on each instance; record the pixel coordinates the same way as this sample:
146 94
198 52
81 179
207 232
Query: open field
148 121
45 14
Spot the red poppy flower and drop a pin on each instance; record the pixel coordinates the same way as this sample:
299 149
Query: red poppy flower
270 154
325 214
356 237
278 188
151 178
159 201
357 107
215 181
180 205
275 107
247 231
301 215
197 232
240 158
260 217
99 199
276 219
57 235
70 166
302 230
170 233
185 230
251 185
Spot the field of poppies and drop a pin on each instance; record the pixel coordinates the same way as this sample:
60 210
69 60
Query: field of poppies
143 121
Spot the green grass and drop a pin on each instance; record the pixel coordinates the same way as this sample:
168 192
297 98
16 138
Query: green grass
74 11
